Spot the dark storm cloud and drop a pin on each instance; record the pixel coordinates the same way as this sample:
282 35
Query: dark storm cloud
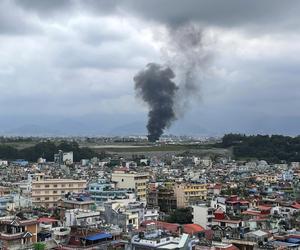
229 13
45 6
82 50
267 15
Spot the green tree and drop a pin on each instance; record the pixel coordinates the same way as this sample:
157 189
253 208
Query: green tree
181 216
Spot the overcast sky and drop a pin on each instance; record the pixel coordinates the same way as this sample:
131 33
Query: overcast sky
69 65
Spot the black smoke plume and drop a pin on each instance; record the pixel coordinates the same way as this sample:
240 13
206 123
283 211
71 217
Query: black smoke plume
185 52
155 86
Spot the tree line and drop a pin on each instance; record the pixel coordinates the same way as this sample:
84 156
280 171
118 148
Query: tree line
272 148
46 150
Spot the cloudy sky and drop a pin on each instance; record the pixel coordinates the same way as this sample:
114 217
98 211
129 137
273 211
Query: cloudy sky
67 67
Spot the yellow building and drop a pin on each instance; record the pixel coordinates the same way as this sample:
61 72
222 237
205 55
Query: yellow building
267 178
189 193
132 180
47 192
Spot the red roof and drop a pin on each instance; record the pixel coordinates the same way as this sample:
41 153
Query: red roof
251 212
244 202
219 211
173 227
228 221
234 202
192 228
296 205
264 208
46 220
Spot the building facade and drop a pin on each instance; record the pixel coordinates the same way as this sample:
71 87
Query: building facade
48 192
134 181
189 193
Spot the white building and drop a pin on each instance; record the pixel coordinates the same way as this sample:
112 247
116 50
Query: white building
3 163
79 217
156 240
203 215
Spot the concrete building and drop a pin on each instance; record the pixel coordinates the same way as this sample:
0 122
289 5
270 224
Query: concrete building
134 181
6 204
84 218
203 215
117 214
189 193
158 239
47 192
63 158
163 198
104 190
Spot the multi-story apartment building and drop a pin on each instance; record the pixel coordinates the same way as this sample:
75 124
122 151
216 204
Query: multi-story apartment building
268 178
133 181
162 197
47 192
189 193
103 190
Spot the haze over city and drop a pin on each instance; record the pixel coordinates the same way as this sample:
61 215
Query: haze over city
68 67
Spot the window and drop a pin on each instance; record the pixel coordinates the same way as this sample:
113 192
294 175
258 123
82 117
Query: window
62 192
38 199
47 185
47 198
54 192
62 185
70 185
55 185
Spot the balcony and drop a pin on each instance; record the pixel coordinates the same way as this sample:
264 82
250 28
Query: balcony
61 231
5 236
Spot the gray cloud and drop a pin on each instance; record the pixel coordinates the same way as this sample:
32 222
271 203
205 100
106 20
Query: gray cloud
265 16
76 60
14 21
44 6
230 13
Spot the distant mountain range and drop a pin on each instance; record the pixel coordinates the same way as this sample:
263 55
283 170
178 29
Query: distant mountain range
92 127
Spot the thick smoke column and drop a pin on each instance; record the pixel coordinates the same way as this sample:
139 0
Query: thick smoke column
155 86
185 52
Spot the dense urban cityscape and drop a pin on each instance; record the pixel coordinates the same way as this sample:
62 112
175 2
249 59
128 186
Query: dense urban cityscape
177 193
149 125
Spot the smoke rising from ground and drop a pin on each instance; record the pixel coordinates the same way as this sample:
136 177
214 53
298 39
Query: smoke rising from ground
155 86
184 53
